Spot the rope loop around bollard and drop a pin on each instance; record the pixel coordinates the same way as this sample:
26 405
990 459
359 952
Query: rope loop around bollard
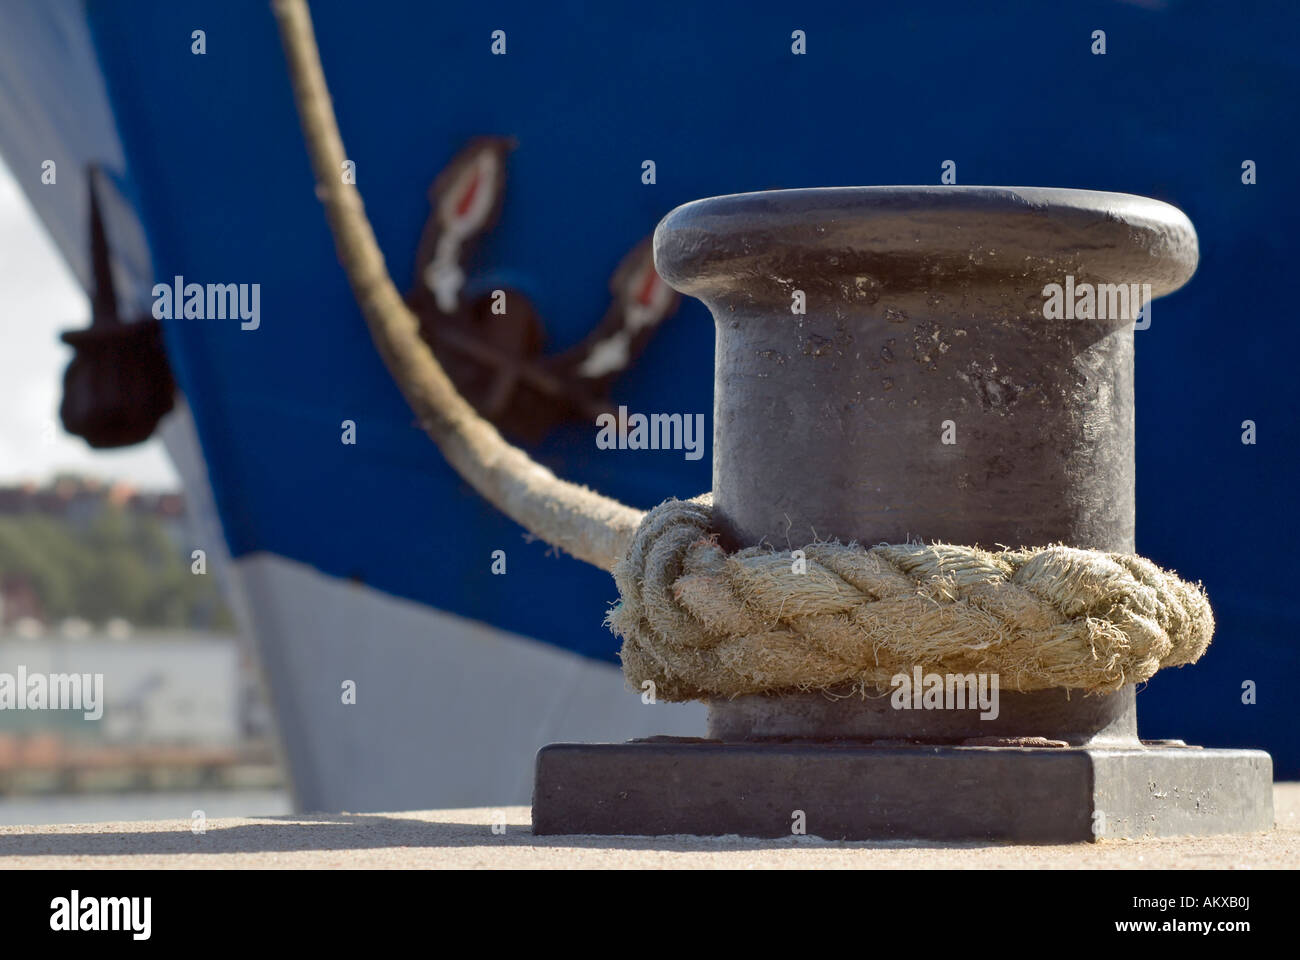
702 623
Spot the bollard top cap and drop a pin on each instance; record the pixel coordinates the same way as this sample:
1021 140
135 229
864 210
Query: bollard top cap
910 237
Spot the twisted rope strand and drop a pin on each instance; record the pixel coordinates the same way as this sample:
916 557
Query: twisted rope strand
592 527
701 623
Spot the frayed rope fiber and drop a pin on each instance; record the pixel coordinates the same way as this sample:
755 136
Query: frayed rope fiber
703 623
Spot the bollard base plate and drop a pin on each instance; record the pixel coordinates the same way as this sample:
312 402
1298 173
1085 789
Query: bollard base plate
869 791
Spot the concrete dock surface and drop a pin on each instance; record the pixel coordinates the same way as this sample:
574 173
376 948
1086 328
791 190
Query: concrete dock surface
466 839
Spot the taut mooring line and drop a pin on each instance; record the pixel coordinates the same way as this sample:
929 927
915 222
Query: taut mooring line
592 527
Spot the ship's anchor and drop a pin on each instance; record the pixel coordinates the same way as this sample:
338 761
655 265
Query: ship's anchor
492 344
118 385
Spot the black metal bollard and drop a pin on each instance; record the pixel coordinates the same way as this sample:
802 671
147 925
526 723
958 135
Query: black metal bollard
894 363
923 322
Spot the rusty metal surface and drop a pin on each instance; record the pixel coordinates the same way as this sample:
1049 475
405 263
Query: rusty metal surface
1071 717
924 305
859 792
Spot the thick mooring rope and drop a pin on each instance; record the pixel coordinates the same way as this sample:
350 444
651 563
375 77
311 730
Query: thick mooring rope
703 623
590 526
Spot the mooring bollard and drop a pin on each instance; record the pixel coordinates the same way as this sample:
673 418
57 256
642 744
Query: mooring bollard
923 323
888 369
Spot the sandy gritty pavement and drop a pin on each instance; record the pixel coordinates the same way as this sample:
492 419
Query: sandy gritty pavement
464 839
